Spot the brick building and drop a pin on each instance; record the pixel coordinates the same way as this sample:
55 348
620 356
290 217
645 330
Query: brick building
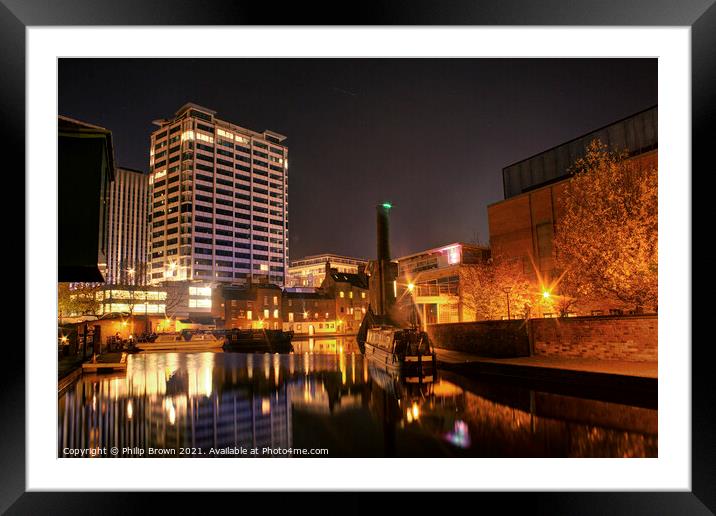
336 308
350 294
523 224
254 307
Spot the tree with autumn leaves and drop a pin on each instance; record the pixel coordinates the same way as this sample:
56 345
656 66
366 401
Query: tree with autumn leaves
75 299
606 241
487 286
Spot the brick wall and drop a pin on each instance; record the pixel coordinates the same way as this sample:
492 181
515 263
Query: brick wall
485 338
631 338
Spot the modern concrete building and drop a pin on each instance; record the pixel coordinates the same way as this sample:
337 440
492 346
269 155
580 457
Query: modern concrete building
127 228
311 270
219 201
431 280
522 226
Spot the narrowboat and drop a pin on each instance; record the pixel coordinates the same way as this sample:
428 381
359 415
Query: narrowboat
404 352
258 341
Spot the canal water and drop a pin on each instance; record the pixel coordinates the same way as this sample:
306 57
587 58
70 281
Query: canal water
325 399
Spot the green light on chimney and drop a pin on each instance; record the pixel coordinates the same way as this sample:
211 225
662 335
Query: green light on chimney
387 205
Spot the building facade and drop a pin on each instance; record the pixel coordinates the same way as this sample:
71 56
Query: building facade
431 280
350 294
522 226
218 197
254 307
336 308
127 228
311 270
131 300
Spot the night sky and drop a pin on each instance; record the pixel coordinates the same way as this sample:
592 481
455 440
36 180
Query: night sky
430 135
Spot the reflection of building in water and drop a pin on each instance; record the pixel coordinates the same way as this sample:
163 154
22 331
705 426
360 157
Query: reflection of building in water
334 400
170 400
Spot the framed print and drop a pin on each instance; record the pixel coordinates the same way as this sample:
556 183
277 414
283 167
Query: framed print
458 284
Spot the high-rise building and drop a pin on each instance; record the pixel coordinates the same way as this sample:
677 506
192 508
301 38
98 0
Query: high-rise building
218 201
127 228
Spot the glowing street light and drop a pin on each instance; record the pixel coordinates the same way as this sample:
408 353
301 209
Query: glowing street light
411 287
506 290
546 294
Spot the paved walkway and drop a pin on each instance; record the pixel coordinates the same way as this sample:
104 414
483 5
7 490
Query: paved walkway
615 367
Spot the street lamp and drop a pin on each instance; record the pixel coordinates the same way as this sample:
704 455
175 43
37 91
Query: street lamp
506 290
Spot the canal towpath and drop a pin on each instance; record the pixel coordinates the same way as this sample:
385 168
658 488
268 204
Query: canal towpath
609 374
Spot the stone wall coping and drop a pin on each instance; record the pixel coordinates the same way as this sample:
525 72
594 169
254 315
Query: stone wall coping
597 317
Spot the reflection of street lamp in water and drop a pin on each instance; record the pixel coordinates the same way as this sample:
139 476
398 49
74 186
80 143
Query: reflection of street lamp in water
506 290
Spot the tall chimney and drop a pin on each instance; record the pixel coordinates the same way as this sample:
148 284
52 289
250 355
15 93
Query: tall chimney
384 272
383 231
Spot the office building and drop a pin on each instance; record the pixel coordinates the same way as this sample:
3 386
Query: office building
311 270
219 201
127 228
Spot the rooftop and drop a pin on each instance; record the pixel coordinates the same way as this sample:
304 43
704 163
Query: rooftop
271 136
440 249
325 257
356 280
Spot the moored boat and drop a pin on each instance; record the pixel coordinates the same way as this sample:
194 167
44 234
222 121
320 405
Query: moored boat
258 340
405 352
183 341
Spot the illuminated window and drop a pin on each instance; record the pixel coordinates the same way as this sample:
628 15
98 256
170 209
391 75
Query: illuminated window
290 317
266 314
343 294
275 300
205 138
350 294
362 295
200 291
225 134
200 303
248 314
275 314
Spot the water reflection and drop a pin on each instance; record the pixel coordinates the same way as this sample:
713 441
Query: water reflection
325 395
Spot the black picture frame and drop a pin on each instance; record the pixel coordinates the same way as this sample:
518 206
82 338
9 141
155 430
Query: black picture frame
699 15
